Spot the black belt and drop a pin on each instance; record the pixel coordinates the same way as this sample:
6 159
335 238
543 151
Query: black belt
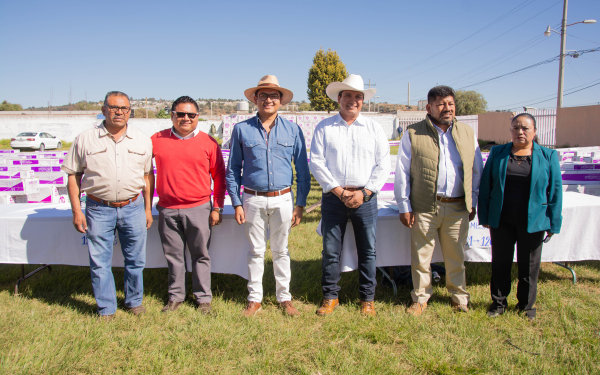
449 199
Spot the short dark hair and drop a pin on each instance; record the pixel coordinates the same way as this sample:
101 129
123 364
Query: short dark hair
184 99
525 114
115 93
440 92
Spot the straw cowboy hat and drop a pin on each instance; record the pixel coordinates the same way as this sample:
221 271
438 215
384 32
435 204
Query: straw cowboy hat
354 82
269 82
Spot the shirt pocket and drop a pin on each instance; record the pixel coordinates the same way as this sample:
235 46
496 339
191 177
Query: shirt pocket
283 148
254 149
96 159
364 145
136 159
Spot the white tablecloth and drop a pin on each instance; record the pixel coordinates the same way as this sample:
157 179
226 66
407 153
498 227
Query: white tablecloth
579 238
43 234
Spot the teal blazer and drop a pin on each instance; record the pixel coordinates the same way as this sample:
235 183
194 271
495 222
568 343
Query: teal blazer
544 212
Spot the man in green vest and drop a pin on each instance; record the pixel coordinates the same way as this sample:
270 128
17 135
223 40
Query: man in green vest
436 187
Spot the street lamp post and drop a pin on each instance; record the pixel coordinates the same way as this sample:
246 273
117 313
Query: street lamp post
563 44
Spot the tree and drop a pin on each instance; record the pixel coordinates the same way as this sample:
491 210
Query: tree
304 106
163 114
326 68
469 103
6 106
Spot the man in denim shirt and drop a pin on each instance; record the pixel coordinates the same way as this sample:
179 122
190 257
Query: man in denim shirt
262 151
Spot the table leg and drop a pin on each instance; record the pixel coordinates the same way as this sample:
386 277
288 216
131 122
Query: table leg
391 280
565 265
25 277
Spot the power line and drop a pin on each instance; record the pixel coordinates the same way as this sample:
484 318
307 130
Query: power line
547 98
547 61
486 26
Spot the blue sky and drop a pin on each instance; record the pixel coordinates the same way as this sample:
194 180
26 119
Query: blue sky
55 49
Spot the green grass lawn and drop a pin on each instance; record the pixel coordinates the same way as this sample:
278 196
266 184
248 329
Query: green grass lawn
51 328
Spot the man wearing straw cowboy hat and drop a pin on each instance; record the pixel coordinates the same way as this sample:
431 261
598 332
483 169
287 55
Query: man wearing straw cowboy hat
262 151
350 158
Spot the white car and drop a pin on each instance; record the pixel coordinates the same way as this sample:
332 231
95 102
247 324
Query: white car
35 141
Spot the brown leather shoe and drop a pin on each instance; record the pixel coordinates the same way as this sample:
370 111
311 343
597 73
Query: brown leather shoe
171 306
252 308
416 308
327 306
288 308
367 308
457 307
204 308
138 310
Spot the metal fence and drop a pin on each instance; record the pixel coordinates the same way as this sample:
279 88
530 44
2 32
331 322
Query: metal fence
546 125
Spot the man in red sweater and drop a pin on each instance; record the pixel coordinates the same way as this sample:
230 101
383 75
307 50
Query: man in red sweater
186 162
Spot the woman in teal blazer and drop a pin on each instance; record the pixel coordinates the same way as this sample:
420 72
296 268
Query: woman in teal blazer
520 200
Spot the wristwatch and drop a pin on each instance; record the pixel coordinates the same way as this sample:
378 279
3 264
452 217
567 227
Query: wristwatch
218 209
366 197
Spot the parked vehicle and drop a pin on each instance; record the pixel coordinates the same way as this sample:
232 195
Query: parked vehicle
35 141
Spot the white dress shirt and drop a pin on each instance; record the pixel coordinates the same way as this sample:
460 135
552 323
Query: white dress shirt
189 136
356 155
450 170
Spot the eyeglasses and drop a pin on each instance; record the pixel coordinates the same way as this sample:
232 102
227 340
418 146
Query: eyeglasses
191 115
114 108
263 96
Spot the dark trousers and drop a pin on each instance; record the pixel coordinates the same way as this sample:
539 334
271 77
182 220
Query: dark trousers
335 216
529 256
181 228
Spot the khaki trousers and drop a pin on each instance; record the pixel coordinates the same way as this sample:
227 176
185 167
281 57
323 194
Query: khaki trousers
449 225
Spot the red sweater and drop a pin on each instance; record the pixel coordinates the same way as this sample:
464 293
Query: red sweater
184 169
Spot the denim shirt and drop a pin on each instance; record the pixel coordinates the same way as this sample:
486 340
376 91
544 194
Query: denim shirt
266 159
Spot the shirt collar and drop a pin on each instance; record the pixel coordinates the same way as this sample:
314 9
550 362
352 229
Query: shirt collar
189 136
439 130
259 123
360 120
102 132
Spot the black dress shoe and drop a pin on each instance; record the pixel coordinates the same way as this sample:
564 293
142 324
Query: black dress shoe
171 306
495 311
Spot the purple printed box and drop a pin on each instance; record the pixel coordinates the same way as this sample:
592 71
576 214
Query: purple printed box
62 180
26 162
46 169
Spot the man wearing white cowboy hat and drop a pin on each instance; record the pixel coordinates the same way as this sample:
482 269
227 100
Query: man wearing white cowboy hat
262 151
350 158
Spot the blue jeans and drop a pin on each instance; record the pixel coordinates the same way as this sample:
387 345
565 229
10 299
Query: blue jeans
334 216
130 223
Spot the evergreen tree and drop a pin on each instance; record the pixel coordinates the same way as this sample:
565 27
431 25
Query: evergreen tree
327 67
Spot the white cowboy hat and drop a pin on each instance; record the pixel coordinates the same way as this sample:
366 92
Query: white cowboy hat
269 82
354 82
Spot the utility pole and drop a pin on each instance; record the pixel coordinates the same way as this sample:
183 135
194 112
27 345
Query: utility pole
561 64
408 101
